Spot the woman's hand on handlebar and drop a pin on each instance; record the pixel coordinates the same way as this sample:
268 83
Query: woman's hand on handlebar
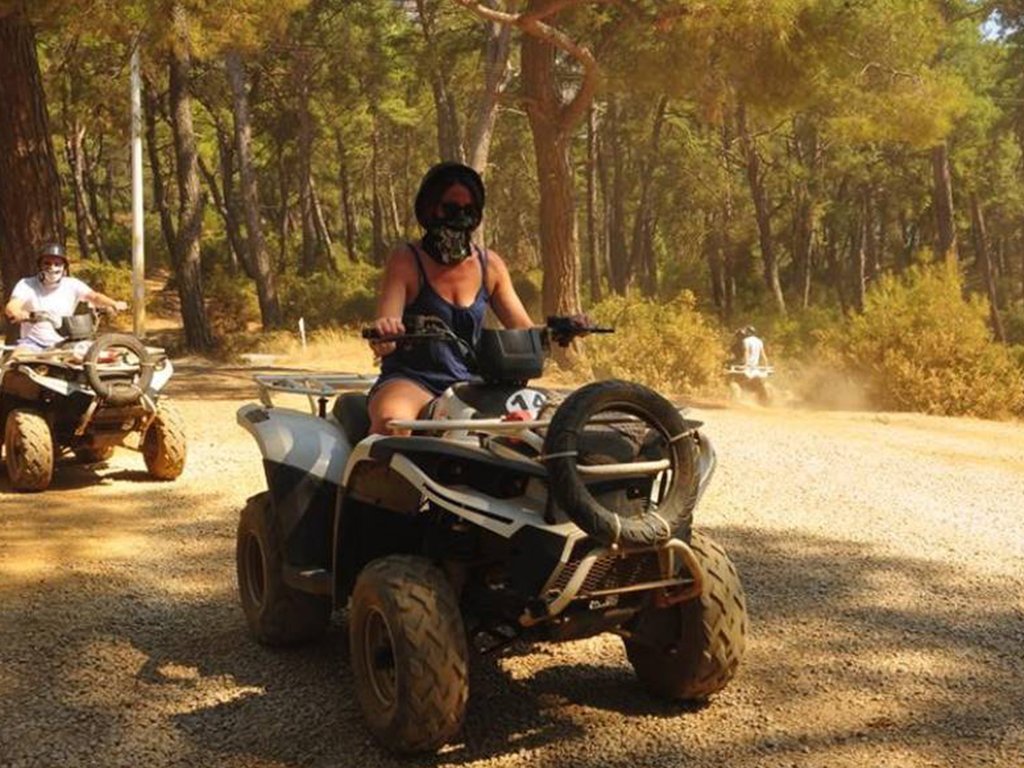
386 326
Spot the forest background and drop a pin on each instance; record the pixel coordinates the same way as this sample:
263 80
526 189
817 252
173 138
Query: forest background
847 175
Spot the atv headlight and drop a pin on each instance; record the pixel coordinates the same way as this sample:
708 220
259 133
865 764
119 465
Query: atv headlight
160 365
42 370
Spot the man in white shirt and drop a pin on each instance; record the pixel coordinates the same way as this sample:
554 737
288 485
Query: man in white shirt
753 349
47 297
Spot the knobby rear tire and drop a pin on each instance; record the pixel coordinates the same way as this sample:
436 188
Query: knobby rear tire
277 614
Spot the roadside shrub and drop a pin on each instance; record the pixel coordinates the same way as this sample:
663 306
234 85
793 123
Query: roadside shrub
327 299
920 346
668 346
1013 322
231 302
528 286
115 280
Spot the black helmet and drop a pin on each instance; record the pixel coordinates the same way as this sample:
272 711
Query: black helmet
437 181
52 249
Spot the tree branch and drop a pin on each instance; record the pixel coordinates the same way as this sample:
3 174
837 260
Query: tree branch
533 26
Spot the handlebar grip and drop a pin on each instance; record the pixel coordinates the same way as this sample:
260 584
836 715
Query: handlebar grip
370 334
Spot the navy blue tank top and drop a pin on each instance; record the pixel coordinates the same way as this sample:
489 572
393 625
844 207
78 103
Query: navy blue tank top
435 366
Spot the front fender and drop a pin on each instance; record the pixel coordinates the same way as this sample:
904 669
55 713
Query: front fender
706 463
304 458
310 444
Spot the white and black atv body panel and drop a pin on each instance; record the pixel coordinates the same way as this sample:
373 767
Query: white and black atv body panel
343 499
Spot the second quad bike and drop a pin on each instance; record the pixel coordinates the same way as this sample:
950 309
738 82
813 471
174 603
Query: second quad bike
750 378
509 512
86 395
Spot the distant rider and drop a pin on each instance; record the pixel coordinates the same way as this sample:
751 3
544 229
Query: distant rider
50 295
748 349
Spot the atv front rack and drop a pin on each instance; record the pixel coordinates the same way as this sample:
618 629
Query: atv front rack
574 581
317 387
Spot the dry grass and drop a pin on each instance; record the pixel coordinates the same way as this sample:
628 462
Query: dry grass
326 350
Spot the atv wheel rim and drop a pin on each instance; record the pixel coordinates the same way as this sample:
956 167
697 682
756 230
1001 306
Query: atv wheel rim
379 650
254 571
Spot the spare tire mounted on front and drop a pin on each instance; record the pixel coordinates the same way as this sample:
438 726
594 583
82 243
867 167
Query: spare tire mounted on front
672 516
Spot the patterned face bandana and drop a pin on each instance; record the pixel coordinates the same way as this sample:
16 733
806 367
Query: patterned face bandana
449 237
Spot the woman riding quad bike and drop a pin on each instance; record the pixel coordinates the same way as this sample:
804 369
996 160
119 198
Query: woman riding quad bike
509 511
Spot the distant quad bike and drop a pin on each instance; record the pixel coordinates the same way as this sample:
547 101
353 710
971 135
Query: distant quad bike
751 379
504 515
86 395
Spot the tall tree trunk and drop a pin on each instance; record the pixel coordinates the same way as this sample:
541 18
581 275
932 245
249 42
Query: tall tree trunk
108 187
759 196
712 245
552 141
618 253
72 149
803 244
348 215
593 270
449 142
497 46
198 336
30 200
602 237
985 265
92 186
945 223
725 240
835 265
808 152
323 234
160 203
305 140
858 252
236 249
377 213
283 230
258 258
642 253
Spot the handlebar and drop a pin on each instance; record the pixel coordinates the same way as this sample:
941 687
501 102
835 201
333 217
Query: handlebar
42 316
559 329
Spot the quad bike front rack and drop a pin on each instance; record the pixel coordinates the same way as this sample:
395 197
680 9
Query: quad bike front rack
670 589
317 387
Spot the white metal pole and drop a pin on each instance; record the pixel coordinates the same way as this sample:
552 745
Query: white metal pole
138 230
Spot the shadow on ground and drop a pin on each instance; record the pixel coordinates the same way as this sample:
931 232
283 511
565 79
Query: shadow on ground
142 656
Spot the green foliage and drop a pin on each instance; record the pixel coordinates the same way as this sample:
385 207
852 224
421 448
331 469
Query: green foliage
114 280
326 299
528 286
920 346
1013 323
669 346
231 302
797 334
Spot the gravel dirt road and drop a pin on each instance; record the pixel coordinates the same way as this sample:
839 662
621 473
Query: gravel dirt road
883 557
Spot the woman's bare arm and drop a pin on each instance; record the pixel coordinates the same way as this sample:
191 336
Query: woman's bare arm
394 289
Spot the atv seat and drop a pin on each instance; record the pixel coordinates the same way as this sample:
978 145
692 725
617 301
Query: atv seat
351 411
